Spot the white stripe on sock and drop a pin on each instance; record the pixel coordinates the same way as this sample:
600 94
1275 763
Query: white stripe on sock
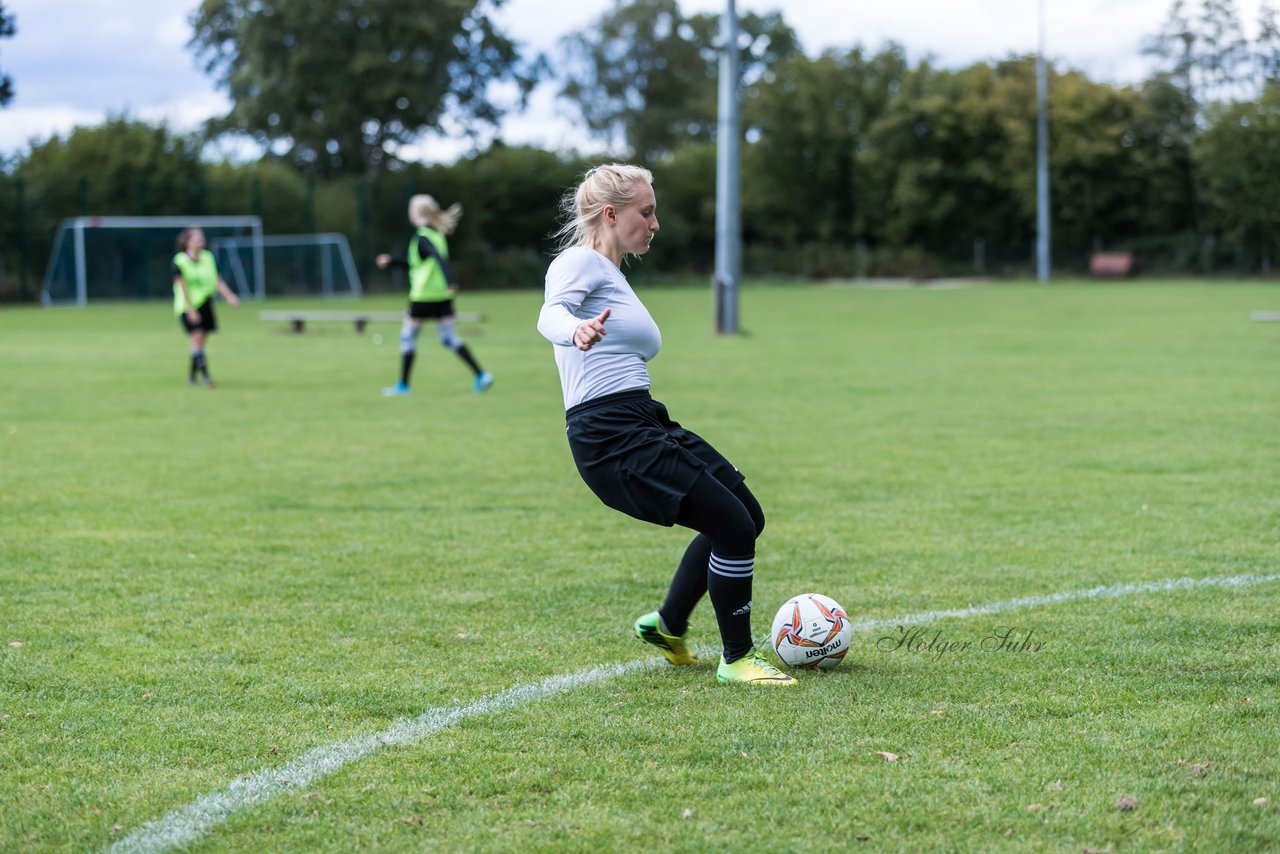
732 568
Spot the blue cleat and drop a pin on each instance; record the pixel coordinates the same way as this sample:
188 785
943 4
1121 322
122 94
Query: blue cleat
397 390
483 380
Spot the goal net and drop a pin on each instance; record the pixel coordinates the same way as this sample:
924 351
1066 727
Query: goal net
114 257
318 265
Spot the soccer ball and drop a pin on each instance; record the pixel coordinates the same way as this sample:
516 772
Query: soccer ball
811 631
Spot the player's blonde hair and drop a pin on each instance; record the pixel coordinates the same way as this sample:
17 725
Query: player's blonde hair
581 208
425 210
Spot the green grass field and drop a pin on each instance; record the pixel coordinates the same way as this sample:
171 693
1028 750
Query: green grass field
199 588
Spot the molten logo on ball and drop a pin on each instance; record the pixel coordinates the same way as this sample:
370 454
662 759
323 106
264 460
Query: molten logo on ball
811 631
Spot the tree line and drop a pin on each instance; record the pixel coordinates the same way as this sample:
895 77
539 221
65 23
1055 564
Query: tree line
856 162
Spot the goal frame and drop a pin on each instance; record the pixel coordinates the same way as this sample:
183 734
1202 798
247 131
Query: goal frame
258 243
76 227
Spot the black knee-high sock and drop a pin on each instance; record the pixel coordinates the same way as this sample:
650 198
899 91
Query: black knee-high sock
688 586
729 586
406 365
202 365
195 365
465 355
729 521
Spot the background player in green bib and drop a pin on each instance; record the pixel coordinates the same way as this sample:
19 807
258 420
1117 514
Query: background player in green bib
195 281
431 289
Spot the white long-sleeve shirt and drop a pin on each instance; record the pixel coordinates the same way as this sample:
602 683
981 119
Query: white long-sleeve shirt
581 283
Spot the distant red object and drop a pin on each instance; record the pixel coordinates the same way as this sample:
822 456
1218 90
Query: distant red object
1111 265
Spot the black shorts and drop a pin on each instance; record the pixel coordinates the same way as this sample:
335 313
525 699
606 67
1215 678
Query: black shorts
431 310
637 460
207 323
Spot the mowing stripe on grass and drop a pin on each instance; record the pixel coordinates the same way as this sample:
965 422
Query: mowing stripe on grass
184 826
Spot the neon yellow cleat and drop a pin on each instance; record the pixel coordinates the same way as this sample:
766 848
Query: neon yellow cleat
752 669
649 630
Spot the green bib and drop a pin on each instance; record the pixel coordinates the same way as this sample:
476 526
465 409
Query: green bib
201 276
426 279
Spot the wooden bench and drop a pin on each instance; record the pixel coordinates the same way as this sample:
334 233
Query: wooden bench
298 319
1111 265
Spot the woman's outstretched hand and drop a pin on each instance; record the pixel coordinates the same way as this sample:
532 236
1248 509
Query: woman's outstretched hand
589 332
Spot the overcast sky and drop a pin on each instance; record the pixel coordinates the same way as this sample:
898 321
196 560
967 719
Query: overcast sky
73 62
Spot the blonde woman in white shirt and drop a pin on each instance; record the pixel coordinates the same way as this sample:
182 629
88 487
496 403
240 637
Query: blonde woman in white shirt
625 445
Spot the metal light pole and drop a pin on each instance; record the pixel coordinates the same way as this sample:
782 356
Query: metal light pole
1042 159
728 179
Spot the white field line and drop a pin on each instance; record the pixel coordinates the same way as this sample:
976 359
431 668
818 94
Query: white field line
184 826
1111 591
187 824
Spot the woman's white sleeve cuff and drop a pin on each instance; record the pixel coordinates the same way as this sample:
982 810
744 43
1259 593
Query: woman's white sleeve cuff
557 324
